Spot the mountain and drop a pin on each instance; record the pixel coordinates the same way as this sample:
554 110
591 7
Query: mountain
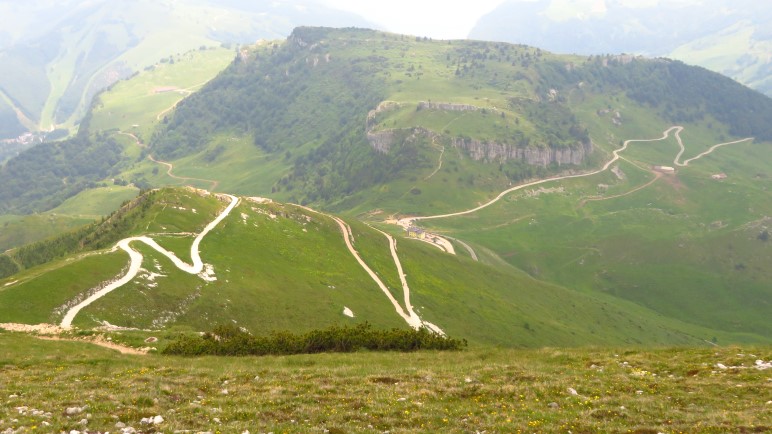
272 266
543 183
56 55
730 37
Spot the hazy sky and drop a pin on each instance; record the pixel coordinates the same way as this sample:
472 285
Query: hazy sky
439 19
453 19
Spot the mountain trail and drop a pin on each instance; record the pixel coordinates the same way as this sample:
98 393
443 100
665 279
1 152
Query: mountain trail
410 317
710 150
197 267
675 130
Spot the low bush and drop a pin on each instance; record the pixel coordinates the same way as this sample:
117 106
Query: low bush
229 340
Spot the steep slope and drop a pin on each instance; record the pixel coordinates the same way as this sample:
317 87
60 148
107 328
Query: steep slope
730 37
552 177
63 53
334 123
271 266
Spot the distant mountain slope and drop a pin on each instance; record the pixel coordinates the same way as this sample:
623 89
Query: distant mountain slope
730 37
348 110
272 266
55 56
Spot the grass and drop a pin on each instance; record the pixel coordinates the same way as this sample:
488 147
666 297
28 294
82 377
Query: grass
281 267
79 210
482 389
96 202
684 231
142 99
38 295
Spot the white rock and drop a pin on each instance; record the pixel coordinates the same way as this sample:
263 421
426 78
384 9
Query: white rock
74 431
639 392
720 366
573 391
401 399
158 420
120 425
224 392
83 422
71 411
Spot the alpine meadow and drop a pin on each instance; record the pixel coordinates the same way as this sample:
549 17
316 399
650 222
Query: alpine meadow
350 230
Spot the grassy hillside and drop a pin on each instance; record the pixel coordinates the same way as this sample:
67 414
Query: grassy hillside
57 56
729 37
493 113
133 107
617 389
628 255
281 267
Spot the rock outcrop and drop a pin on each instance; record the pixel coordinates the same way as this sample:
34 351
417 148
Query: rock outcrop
489 151
447 106
533 155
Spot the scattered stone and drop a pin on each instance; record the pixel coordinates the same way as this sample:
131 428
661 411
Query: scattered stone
155 420
71 411
467 380
224 392
573 391
120 425
720 366
216 420
151 339
639 392
83 422
401 399
553 405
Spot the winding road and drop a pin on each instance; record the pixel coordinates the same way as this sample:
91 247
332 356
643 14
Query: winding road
675 130
136 262
169 166
712 148
410 317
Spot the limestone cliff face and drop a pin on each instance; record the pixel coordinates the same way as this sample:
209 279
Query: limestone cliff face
381 141
492 152
446 106
533 155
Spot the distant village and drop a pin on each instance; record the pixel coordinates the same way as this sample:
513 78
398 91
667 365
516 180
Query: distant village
25 139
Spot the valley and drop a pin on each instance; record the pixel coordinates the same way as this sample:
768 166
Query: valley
585 237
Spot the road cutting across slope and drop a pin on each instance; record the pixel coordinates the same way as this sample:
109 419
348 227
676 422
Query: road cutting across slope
136 262
675 130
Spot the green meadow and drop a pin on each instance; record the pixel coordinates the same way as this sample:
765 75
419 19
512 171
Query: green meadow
483 389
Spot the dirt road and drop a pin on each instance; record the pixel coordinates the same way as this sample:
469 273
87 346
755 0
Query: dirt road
136 262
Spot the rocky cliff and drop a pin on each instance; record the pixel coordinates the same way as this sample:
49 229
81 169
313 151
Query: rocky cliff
489 151
533 155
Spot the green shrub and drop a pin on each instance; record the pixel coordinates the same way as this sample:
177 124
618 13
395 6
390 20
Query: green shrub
229 340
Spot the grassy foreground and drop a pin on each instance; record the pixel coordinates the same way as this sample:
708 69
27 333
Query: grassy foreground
493 390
